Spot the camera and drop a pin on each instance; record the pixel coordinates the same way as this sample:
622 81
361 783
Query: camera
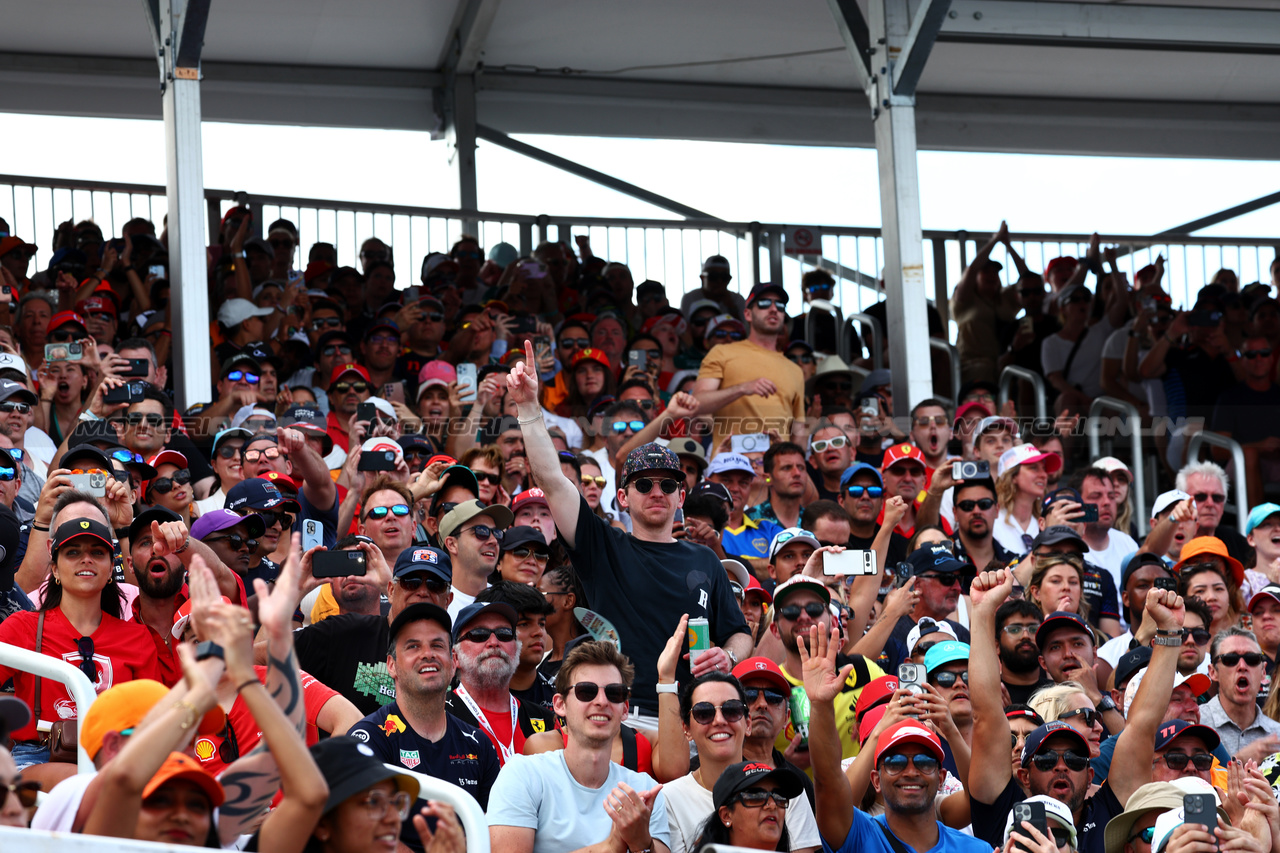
756 442
970 470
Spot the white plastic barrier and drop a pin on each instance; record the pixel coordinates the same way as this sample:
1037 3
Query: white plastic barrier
470 815
77 683
43 841
1137 469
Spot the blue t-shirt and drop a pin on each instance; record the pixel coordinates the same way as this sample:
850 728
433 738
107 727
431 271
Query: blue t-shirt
538 792
866 836
752 540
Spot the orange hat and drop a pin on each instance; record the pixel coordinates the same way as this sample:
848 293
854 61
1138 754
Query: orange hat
592 354
1213 546
180 766
123 706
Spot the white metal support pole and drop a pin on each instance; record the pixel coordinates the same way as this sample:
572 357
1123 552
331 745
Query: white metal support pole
895 129
181 33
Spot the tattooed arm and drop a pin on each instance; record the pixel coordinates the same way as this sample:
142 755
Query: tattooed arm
250 785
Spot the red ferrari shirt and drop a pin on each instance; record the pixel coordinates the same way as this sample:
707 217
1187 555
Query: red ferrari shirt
247 733
122 651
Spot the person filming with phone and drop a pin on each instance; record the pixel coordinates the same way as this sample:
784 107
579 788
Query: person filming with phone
642 582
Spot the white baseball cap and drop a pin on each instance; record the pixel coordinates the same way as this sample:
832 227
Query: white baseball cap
235 311
1025 454
1168 499
723 462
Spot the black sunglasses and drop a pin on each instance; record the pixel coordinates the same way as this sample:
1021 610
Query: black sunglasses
523 552
755 798
485 476
948 679
704 713
412 583
644 485
482 635
771 697
983 504
164 485
1047 760
800 358
25 792
1089 716
84 645
237 541
1199 636
151 419
14 406
586 691
270 518
1233 658
792 611
1177 761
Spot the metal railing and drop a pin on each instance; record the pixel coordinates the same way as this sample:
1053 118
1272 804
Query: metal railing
668 251
470 815
1204 437
841 333
867 323
1013 372
953 364
77 683
1137 469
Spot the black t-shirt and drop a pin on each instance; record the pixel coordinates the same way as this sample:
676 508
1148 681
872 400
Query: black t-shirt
1203 376
539 693
988 820
1248 415
1020 694
1237 545
875 459
824 494
896 553
196 461
643 588
348 653
463 757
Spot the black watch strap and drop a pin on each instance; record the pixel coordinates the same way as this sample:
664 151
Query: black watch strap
209 649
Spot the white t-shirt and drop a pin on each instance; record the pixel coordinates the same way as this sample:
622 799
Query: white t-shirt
538 792
215 501
1119 546
460 600
689 805
572 432
58 811
1009 534
1112 650
1086 368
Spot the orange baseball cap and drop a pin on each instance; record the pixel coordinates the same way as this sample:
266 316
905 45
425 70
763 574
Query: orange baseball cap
1211 546
123 707
181 766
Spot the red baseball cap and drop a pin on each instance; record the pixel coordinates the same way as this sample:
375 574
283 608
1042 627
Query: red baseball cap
970 406
877 692
1065 261
62 318
281 479
171 457
348 368
764 668
529 497
753 585
592 354
96 304
899 452
908 731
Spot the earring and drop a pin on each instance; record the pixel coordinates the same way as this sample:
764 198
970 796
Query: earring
56 581
728 823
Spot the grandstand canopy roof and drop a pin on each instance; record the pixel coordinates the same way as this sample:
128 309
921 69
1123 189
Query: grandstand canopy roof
1182 78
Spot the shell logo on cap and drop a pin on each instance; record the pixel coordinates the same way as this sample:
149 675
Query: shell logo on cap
425 555
84 525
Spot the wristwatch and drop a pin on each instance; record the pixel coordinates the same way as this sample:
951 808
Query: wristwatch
733 659
209 649
1106 703
673 687
1158 640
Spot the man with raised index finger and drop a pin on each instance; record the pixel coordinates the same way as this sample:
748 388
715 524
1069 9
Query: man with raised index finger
642 582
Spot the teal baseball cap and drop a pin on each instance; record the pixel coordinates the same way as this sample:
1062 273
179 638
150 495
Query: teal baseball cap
945 652
1259 514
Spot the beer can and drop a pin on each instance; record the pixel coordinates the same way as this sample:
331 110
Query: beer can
699 638
799 715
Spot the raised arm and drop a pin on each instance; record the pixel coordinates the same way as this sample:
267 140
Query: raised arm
969 281
1137 741
833 806
671 752
317 485
544 460
990 726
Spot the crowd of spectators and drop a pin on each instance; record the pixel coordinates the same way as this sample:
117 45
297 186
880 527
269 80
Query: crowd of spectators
635 577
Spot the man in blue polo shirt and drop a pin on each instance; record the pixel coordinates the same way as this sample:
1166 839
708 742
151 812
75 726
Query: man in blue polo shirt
743 536
908 771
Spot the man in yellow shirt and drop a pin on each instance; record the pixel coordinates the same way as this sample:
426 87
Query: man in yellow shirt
798 604
748 385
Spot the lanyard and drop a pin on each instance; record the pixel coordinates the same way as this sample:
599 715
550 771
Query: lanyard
509 747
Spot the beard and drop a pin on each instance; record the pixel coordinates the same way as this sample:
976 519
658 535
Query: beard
490 669
1019 660
165 586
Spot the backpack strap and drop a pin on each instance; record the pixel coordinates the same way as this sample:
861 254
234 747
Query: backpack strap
630 753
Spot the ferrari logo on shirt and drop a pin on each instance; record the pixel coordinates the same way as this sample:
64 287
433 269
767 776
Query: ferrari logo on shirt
539 725
392 725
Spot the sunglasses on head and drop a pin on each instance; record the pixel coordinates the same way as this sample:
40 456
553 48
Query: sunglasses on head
15 406
755 798
412 583
237 541
792 611
983 504
1233 658
482 635
926 765
1177 761
948 679
586 691
619 427
255 455
644 485
771 697
1218 498
1047 760
17 452
359 386
123 456
380 512
237 375
704 713
869 491
151 419
821 445
164 485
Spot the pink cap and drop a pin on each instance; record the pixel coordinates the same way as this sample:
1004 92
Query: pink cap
436 372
